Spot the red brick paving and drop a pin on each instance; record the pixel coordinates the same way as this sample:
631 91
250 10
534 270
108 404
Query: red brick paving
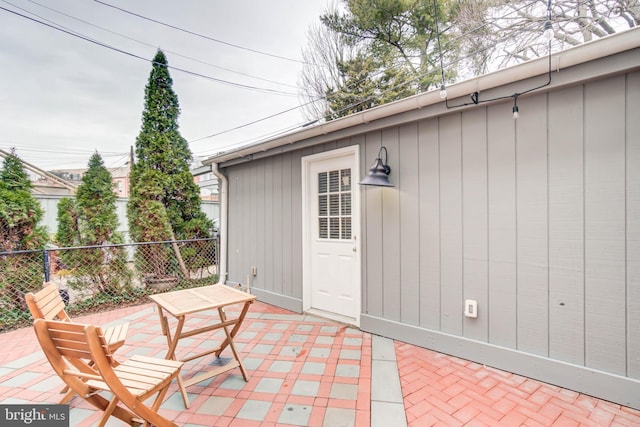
438 390
441 390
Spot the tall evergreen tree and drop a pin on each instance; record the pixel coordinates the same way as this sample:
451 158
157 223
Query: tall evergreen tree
96 202
164 200
387 50
20 214
92 220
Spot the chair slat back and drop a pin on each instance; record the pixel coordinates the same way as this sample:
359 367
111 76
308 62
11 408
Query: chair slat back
47 304
66 352
71 340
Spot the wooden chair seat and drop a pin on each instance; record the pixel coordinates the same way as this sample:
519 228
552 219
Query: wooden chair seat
139 374
80 356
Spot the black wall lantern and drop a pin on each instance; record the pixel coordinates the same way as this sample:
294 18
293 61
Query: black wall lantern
378 173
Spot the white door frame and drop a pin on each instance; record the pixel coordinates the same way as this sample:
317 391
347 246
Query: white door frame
307 228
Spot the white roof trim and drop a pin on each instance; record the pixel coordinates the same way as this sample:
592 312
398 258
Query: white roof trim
599 48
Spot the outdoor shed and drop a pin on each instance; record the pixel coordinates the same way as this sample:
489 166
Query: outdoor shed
536 221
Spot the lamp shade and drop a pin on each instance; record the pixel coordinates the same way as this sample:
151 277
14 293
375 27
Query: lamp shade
378 175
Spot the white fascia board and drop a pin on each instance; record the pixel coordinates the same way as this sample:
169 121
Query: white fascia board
596 49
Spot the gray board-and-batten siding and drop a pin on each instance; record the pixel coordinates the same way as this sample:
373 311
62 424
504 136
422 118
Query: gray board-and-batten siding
538 220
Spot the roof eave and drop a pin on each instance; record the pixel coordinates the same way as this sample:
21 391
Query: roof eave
585 52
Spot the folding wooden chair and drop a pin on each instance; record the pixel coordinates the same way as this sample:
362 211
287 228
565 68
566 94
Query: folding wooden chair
48 304
69 346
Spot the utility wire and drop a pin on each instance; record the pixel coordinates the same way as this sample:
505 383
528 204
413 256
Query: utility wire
292 109
258 120
193 33
355 104
288 129
71 157
247 124
40 149
151 45
99 43
44 151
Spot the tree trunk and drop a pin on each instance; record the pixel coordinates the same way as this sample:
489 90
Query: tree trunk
176 250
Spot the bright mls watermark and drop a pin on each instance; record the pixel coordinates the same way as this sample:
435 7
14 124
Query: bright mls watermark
44 415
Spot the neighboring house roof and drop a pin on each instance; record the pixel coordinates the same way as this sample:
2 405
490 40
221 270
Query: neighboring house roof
585 52
120 172
46 188
49 183
200 170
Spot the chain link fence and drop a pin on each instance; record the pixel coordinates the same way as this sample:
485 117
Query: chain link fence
96 278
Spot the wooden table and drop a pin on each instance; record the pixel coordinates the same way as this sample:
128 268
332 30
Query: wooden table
188 301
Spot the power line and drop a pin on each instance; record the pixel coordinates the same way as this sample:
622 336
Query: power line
247 124
346 108
64 157
152 45
355 104
350 106
193 33
57 150
99 43
128 53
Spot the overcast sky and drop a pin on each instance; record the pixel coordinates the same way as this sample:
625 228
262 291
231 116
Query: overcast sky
62 98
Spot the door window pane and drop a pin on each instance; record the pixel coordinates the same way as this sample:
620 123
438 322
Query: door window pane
324 228
322 183
334 204
322 205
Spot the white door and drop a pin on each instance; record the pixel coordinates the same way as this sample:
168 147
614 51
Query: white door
331 224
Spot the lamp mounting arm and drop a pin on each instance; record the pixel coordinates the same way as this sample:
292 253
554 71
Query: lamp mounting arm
386 158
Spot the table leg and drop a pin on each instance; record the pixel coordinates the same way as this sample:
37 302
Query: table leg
229 341
183 392
172 342
163 320
234 331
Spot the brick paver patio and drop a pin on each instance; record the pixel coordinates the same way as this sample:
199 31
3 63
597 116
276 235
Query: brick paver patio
308 371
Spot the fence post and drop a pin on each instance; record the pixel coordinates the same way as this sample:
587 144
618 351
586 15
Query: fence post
46 265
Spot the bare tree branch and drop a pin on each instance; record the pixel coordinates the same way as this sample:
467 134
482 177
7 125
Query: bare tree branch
513 28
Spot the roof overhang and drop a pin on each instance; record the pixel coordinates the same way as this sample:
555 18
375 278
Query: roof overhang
600 48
